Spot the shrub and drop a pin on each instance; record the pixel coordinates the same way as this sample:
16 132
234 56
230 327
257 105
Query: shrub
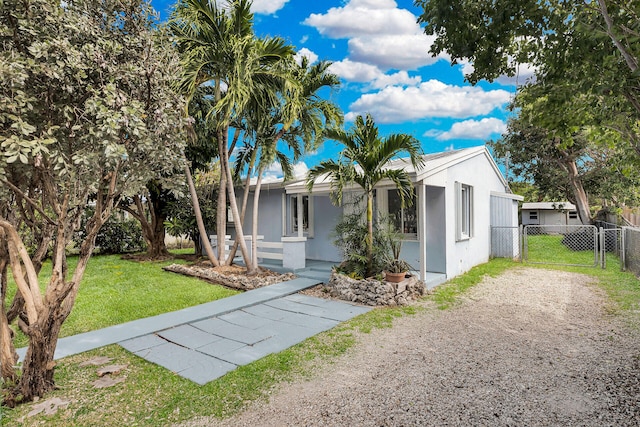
350 237
116 236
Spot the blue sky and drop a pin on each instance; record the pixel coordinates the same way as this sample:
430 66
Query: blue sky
381 55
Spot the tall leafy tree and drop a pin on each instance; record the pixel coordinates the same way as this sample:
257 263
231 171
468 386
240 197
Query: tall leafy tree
364 162
220 49
87 114
577 46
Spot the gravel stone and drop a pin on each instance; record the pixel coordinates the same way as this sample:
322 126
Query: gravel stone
530 347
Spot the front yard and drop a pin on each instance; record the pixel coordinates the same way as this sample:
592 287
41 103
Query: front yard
116 290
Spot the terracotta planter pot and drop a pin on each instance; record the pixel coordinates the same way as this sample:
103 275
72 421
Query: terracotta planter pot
394 277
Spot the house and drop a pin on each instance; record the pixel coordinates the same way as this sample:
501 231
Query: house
459 195
550 213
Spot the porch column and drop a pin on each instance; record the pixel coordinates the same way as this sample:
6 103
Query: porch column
293 253
300 218
422 229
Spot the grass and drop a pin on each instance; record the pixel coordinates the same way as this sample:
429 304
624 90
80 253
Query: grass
550 250
151 395
115 291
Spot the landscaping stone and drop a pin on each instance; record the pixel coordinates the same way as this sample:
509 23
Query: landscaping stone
234 277
375 292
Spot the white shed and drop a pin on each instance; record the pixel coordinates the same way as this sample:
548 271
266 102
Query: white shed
550 213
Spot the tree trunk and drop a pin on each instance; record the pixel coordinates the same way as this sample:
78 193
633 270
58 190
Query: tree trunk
158 212
204 238
369 233
226 169
245 199
8 355
156 247
254 226
38 366
581 198
221 212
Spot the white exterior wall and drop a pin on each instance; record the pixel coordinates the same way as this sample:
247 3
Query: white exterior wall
478 173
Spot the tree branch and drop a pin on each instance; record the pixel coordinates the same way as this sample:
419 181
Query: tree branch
31 202
629 59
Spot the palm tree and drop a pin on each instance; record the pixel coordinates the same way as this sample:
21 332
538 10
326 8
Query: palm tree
363 162
220 49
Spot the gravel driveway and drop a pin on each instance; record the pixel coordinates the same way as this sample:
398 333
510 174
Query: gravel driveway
531 347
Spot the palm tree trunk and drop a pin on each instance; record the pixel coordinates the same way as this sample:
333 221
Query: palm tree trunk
198 213
245 199
254 225
226 169
369 232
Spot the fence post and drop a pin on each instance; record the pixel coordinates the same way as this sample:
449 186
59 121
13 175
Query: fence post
521 242
623 249
603 254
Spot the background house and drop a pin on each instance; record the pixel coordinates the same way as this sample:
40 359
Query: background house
459 195
550 213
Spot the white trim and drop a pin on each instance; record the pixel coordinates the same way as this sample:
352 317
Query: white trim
464 211
422 222
507 195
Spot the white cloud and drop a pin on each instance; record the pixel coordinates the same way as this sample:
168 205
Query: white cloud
355 71
429 99
473 129
400 52
401 78
274 172
308 53
379 34
360 72
267 7
300 170
364 17
525 73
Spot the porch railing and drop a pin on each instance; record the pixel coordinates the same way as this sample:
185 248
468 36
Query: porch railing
290 250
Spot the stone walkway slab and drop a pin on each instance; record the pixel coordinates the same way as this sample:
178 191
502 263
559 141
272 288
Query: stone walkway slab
206 349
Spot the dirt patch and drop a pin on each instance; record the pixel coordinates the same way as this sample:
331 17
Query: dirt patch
531 347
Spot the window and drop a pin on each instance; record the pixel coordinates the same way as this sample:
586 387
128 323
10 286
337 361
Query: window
533 215
307 214
404 219
464 211
573 214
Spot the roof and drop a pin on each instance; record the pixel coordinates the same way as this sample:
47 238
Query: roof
549 206
433 164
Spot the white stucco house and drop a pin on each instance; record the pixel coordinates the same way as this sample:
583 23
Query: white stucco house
459 195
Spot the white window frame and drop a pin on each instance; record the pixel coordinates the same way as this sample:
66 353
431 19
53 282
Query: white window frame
573 214
293 220
464 211
414 207
533 215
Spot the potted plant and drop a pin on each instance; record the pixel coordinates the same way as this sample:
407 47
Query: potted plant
396 269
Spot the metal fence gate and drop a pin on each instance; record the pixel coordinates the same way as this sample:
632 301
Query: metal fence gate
578 245
561 245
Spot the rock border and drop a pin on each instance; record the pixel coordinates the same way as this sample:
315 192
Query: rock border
374 292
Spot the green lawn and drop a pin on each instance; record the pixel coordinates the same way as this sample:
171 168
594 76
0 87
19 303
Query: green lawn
115 291
152 395
548 249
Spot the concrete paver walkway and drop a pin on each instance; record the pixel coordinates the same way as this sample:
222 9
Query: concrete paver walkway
209 348
204 342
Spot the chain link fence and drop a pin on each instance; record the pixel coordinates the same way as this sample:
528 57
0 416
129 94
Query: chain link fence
579 245
506 242
561 244
630 254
